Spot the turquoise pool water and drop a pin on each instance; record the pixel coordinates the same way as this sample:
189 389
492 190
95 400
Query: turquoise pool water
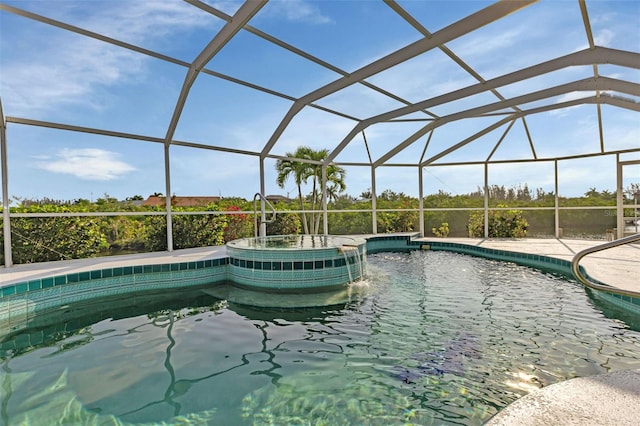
295 242
428 338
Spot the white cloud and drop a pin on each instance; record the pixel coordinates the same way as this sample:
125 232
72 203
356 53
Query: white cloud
490 44
567 97
299 11
571 96
313 128
143 20
229 7
68 79
87 164
604 38
64 69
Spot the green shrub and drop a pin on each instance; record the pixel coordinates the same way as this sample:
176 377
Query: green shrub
123 232
198 230
401 221
442 231
239 225
502 224
44 239
284 224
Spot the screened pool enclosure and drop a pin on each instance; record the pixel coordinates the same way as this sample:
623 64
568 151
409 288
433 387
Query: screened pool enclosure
200 98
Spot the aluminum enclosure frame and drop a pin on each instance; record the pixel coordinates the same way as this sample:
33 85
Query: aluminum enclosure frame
598 90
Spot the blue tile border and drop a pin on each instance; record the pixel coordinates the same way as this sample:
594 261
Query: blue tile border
101 274
374 244
296 265
541 262
300 269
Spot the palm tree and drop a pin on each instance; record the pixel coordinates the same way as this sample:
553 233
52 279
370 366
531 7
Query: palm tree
335 182
302 171
316 179
335 185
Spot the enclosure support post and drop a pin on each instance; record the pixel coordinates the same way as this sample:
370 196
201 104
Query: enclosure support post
6 224
556 201
167 182
263 215
325 215
420 201
374 214
486 200
619 199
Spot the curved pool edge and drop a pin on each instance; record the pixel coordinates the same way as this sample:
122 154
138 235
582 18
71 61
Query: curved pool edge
544 263
296 263
604 399
84 279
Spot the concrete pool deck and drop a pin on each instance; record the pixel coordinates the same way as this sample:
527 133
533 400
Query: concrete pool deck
618 267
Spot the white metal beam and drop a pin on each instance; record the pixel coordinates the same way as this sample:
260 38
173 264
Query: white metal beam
469 139
4 163
241 17
486 201
600 55
421 200
589 84
451 32
619 199
306 55
556 201
497 145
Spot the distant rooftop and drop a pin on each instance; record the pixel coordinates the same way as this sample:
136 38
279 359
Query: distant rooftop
180 201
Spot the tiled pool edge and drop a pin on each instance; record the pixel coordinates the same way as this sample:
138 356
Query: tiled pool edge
541 262
20 301
119 272
332 263
29 297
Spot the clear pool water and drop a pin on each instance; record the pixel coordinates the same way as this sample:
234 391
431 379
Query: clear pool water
429 338
297 242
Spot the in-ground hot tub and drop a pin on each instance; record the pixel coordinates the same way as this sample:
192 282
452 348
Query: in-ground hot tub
295 263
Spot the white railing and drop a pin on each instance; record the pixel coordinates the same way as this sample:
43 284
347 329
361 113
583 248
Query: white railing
263 217
575 265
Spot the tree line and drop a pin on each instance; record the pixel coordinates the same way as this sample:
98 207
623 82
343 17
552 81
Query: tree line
38 239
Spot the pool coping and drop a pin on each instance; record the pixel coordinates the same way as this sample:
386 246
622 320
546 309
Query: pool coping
603 399
23 279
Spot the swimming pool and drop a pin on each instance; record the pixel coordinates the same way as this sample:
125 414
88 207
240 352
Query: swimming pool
418 342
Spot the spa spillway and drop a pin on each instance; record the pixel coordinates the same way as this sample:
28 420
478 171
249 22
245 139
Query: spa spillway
296 263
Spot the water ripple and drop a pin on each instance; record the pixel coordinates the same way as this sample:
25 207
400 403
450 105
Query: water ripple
428 338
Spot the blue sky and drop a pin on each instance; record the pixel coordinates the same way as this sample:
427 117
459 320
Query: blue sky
58 76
